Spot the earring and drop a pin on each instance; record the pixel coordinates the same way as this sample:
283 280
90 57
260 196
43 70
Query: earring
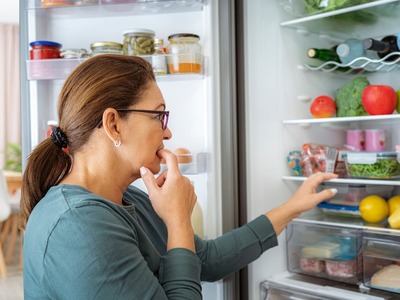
117 144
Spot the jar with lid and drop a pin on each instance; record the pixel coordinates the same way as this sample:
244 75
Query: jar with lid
74 53
106 48
184 53
138 41
159 61
44 50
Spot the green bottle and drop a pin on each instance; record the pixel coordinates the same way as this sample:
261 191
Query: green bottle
323 55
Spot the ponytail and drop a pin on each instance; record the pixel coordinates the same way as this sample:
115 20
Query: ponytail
47 165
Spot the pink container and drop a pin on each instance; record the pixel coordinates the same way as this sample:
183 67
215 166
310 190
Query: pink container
355 139
374 140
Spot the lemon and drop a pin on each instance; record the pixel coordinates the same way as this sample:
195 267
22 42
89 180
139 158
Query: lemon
394 219
394 203
374 209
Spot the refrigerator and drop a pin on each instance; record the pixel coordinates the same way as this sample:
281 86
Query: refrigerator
247 109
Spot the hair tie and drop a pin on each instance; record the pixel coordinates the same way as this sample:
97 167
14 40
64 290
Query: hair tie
59 138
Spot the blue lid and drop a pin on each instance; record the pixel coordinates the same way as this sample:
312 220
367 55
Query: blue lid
337 207
46 43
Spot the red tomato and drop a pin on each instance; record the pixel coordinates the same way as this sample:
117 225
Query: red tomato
323 107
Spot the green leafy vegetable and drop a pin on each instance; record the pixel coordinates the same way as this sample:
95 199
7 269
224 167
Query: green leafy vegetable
382 168
348 98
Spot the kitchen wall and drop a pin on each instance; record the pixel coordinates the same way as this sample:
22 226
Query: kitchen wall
9 12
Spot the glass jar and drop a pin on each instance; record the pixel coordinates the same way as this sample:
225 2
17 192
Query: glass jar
106 48
159 61
186 53
44 50
138 41
74 53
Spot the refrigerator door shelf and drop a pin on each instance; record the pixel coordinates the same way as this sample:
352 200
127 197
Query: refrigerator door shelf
289 286
197 163
52 69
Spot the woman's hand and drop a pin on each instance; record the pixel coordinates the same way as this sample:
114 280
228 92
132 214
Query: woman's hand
305 198
173 198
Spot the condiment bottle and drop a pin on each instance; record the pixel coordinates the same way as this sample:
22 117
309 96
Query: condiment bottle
159 61
186 53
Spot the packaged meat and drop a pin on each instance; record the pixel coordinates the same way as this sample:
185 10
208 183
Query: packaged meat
311 265
341 268
387 277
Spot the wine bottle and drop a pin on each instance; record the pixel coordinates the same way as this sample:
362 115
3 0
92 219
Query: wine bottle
383 47
351 49
323 55
326 55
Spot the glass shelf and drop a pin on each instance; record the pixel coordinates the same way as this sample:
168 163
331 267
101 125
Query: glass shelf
52 69
348 180
316 216
345 122
380 65
117 9
342 22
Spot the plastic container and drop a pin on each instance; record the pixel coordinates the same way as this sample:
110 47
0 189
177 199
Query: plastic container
351 195
313 248
339 210
317 158
106 48
138 41
381 261
372 165
51 3
185 53
44 50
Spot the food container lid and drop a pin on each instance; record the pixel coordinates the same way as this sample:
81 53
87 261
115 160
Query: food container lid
183 35
105 44
140 32
45 43
367 157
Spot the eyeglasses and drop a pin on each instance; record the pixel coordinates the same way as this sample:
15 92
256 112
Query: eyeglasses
163 116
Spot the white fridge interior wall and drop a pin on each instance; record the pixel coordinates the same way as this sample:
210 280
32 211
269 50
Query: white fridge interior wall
275 91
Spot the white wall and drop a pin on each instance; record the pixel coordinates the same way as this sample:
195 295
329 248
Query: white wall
9 12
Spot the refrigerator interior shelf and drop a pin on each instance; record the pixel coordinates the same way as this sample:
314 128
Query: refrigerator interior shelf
108 8
338 23
348 122
317 217
196 163
380 65
50 69
348 180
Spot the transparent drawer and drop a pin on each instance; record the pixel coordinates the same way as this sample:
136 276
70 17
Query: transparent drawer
381 261
193 163
324 251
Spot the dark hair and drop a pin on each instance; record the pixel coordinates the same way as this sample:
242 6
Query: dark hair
103 81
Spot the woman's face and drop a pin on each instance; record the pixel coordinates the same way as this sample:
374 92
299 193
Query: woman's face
143 134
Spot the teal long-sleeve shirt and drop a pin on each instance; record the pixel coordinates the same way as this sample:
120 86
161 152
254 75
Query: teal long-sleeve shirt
78 245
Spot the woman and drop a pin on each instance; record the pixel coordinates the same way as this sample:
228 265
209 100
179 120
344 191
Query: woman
89 234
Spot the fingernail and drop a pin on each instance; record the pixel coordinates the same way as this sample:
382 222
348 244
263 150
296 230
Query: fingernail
334 191
143 171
